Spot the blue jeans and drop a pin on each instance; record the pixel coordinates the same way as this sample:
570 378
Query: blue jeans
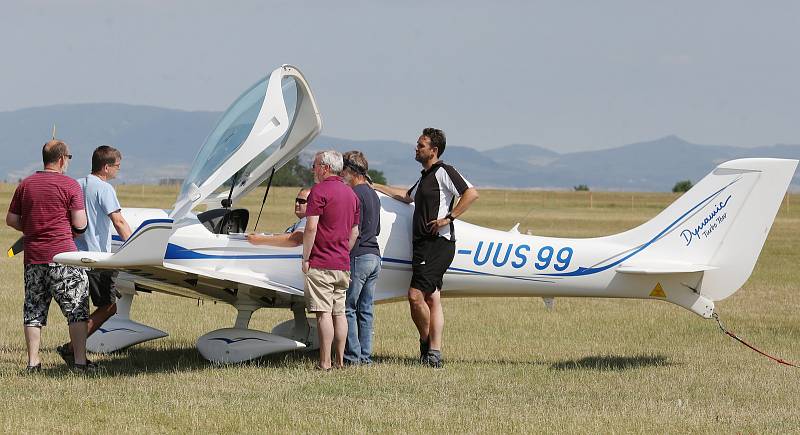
364 271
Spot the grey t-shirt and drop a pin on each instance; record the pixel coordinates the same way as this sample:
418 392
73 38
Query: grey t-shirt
369 226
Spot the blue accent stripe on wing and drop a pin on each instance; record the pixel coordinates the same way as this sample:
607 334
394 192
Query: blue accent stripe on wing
145 224
176 252
236 340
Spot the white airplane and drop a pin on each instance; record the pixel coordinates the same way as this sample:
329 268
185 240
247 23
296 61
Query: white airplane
699 250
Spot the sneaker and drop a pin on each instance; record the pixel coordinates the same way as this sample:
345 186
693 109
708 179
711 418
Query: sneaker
433 359
89 367
66 354
424 347
33 369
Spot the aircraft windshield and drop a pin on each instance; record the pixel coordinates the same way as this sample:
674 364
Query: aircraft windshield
231 131
289 90
228 135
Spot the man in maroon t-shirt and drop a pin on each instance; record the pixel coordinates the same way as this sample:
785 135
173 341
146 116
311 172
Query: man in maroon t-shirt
331 231
48 207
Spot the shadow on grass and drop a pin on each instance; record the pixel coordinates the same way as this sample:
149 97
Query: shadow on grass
142 360
414 361
612 363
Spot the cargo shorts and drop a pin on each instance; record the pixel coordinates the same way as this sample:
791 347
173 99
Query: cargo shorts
68 285
326 290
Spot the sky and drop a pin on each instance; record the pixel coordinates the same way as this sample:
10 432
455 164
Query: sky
566 75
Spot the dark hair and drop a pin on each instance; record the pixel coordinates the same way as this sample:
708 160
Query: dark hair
437 139
52 151
104 155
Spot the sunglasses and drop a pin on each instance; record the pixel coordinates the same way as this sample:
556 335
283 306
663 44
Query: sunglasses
68 156
300 201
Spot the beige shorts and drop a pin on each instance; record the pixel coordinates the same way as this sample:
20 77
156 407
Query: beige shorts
326 290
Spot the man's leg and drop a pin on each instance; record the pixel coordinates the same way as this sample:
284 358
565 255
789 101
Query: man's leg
434 302
96 320
35 308
99 316
325 328
77 335
420 312
71 292
33 337
353 345
339 337
365 309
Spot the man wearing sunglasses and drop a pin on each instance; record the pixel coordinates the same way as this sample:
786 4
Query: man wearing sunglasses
293 236
48 208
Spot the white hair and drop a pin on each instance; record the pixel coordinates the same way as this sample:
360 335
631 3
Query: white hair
333 159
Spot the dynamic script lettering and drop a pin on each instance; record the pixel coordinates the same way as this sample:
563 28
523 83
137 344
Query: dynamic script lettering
708 225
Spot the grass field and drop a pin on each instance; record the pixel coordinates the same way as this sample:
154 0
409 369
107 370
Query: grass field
588 366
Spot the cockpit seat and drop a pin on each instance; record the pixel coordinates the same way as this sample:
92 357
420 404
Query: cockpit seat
225 221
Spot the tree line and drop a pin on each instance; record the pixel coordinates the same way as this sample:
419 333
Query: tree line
296 174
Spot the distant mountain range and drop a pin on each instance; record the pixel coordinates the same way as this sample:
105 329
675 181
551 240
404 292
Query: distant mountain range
161 143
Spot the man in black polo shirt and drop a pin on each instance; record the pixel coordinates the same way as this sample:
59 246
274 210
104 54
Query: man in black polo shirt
434 195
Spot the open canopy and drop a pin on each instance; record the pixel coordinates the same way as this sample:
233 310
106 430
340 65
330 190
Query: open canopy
263 129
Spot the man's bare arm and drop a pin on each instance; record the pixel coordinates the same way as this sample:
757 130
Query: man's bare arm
309 235
397 193
78 219
120 224
14 221
353 236
470 195
288 240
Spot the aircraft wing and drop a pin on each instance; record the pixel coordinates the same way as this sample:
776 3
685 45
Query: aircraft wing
142 256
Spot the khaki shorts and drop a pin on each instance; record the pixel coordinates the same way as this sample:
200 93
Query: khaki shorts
326 290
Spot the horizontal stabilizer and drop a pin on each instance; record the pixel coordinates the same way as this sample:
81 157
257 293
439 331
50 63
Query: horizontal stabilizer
663 268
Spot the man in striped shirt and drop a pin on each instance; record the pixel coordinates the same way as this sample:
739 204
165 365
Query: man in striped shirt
434 196
48 208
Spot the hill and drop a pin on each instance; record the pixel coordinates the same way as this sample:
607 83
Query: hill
160 143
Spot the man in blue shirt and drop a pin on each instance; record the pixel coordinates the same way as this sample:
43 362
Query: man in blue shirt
102 211
365 262
293 236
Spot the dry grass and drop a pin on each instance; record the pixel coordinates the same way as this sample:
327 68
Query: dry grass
591 365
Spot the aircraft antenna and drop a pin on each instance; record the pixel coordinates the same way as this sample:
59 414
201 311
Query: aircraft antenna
269 183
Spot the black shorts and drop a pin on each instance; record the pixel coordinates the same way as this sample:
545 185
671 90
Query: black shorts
430 261
102 287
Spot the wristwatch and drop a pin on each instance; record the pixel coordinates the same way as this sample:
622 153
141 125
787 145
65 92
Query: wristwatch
450 216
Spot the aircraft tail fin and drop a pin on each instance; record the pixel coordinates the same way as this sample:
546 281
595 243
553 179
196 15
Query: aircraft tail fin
718 227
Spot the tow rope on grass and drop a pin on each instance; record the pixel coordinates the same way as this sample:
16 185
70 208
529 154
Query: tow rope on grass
733 336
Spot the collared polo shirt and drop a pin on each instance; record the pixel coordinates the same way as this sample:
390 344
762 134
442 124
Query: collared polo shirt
434 195
338 210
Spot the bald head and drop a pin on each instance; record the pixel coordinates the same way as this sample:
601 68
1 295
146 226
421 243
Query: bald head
53 150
